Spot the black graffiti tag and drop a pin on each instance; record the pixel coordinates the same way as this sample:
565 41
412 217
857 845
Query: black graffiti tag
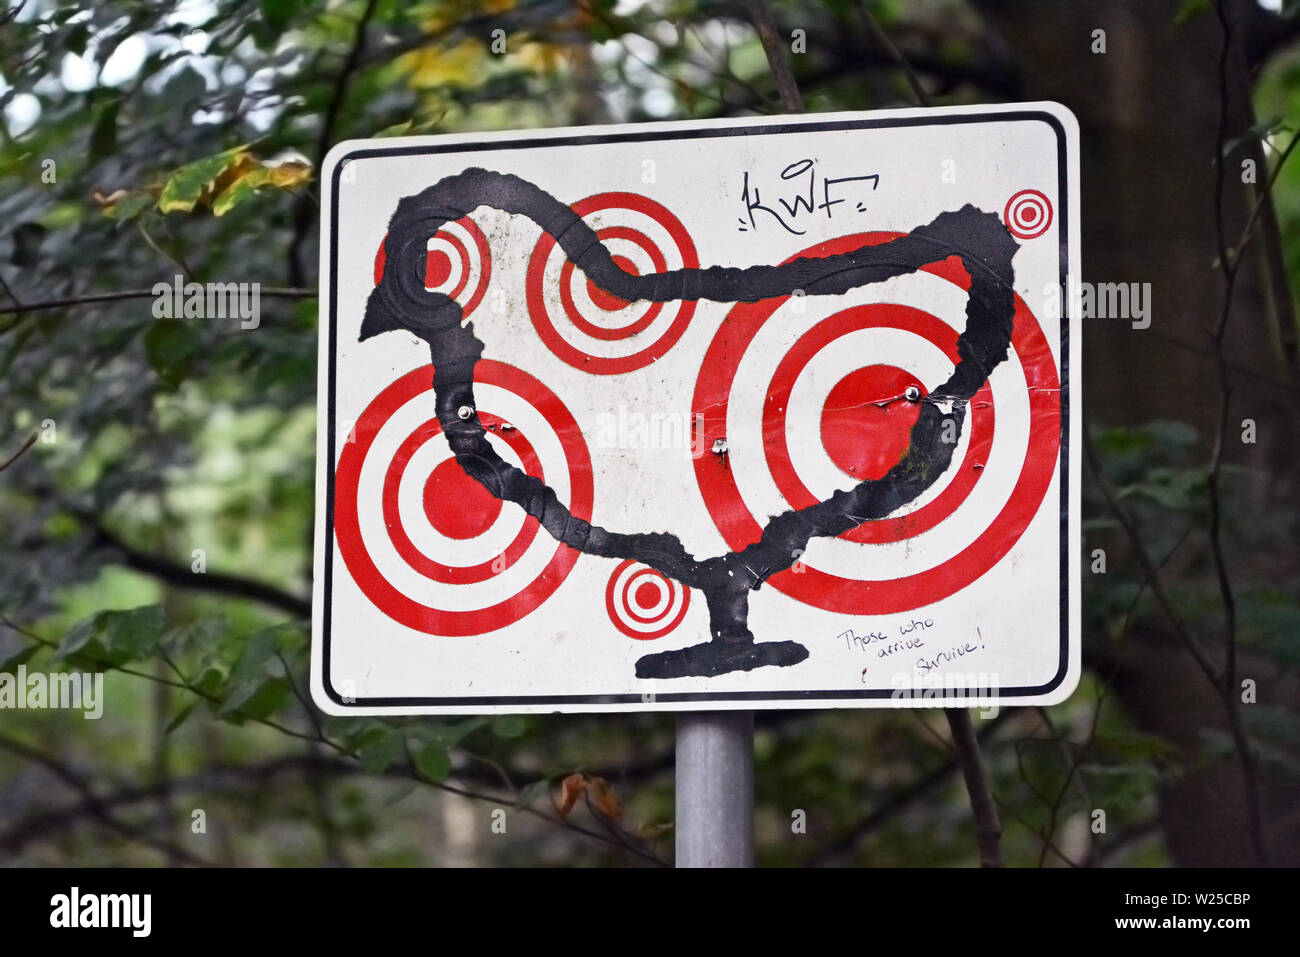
400 302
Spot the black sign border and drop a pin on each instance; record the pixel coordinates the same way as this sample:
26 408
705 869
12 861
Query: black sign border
652 698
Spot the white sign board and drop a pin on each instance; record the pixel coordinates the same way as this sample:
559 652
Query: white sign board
679 416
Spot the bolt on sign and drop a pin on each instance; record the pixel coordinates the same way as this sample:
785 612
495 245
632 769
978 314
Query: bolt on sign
724 414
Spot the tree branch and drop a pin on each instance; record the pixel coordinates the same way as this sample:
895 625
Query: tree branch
271 292
988 829
303 215
174 573
786 86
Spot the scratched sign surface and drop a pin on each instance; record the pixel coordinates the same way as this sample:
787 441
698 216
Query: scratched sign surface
678 416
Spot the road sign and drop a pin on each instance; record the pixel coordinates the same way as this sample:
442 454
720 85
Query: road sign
724 414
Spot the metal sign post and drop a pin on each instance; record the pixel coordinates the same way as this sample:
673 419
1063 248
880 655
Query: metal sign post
715 789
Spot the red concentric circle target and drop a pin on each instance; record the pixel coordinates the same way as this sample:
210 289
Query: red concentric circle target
643 603
468 493
1028 214
412 610
603 326
740 528
603 299
449 264
777 448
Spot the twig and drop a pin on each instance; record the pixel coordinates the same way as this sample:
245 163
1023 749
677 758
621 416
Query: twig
174 573
412 772
31 440
879 35
9 292
303 214
94 806
1227 686
761 17
900 800
988 829
270 292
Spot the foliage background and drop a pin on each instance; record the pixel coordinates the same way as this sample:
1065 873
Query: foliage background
183 136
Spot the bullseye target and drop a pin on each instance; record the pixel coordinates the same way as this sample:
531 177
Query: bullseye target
589 328
458 263
643 603
427 544
808 396
1028 214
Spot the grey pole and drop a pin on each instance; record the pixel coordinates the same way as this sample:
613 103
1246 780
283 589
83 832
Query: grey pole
715 789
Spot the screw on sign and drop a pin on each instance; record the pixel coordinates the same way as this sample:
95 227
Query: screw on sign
884 420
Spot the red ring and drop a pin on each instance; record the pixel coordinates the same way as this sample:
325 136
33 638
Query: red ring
535 283
626 599
617 620
855 596
454 240
777 404
1013 222
410 552
484 262
347 526
622 332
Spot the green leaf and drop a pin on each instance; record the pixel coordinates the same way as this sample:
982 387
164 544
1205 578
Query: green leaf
185 187
130 206
10 665
446 735
400 793
1188 9
112 638
1177 489
171 346
285 176
433 763
181 717
385 751
1272 622
103 135
278 13
27 239
256 699
262 650
509 726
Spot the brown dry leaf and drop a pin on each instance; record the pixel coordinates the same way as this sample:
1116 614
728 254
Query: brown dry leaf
603 799
110 199
570 791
